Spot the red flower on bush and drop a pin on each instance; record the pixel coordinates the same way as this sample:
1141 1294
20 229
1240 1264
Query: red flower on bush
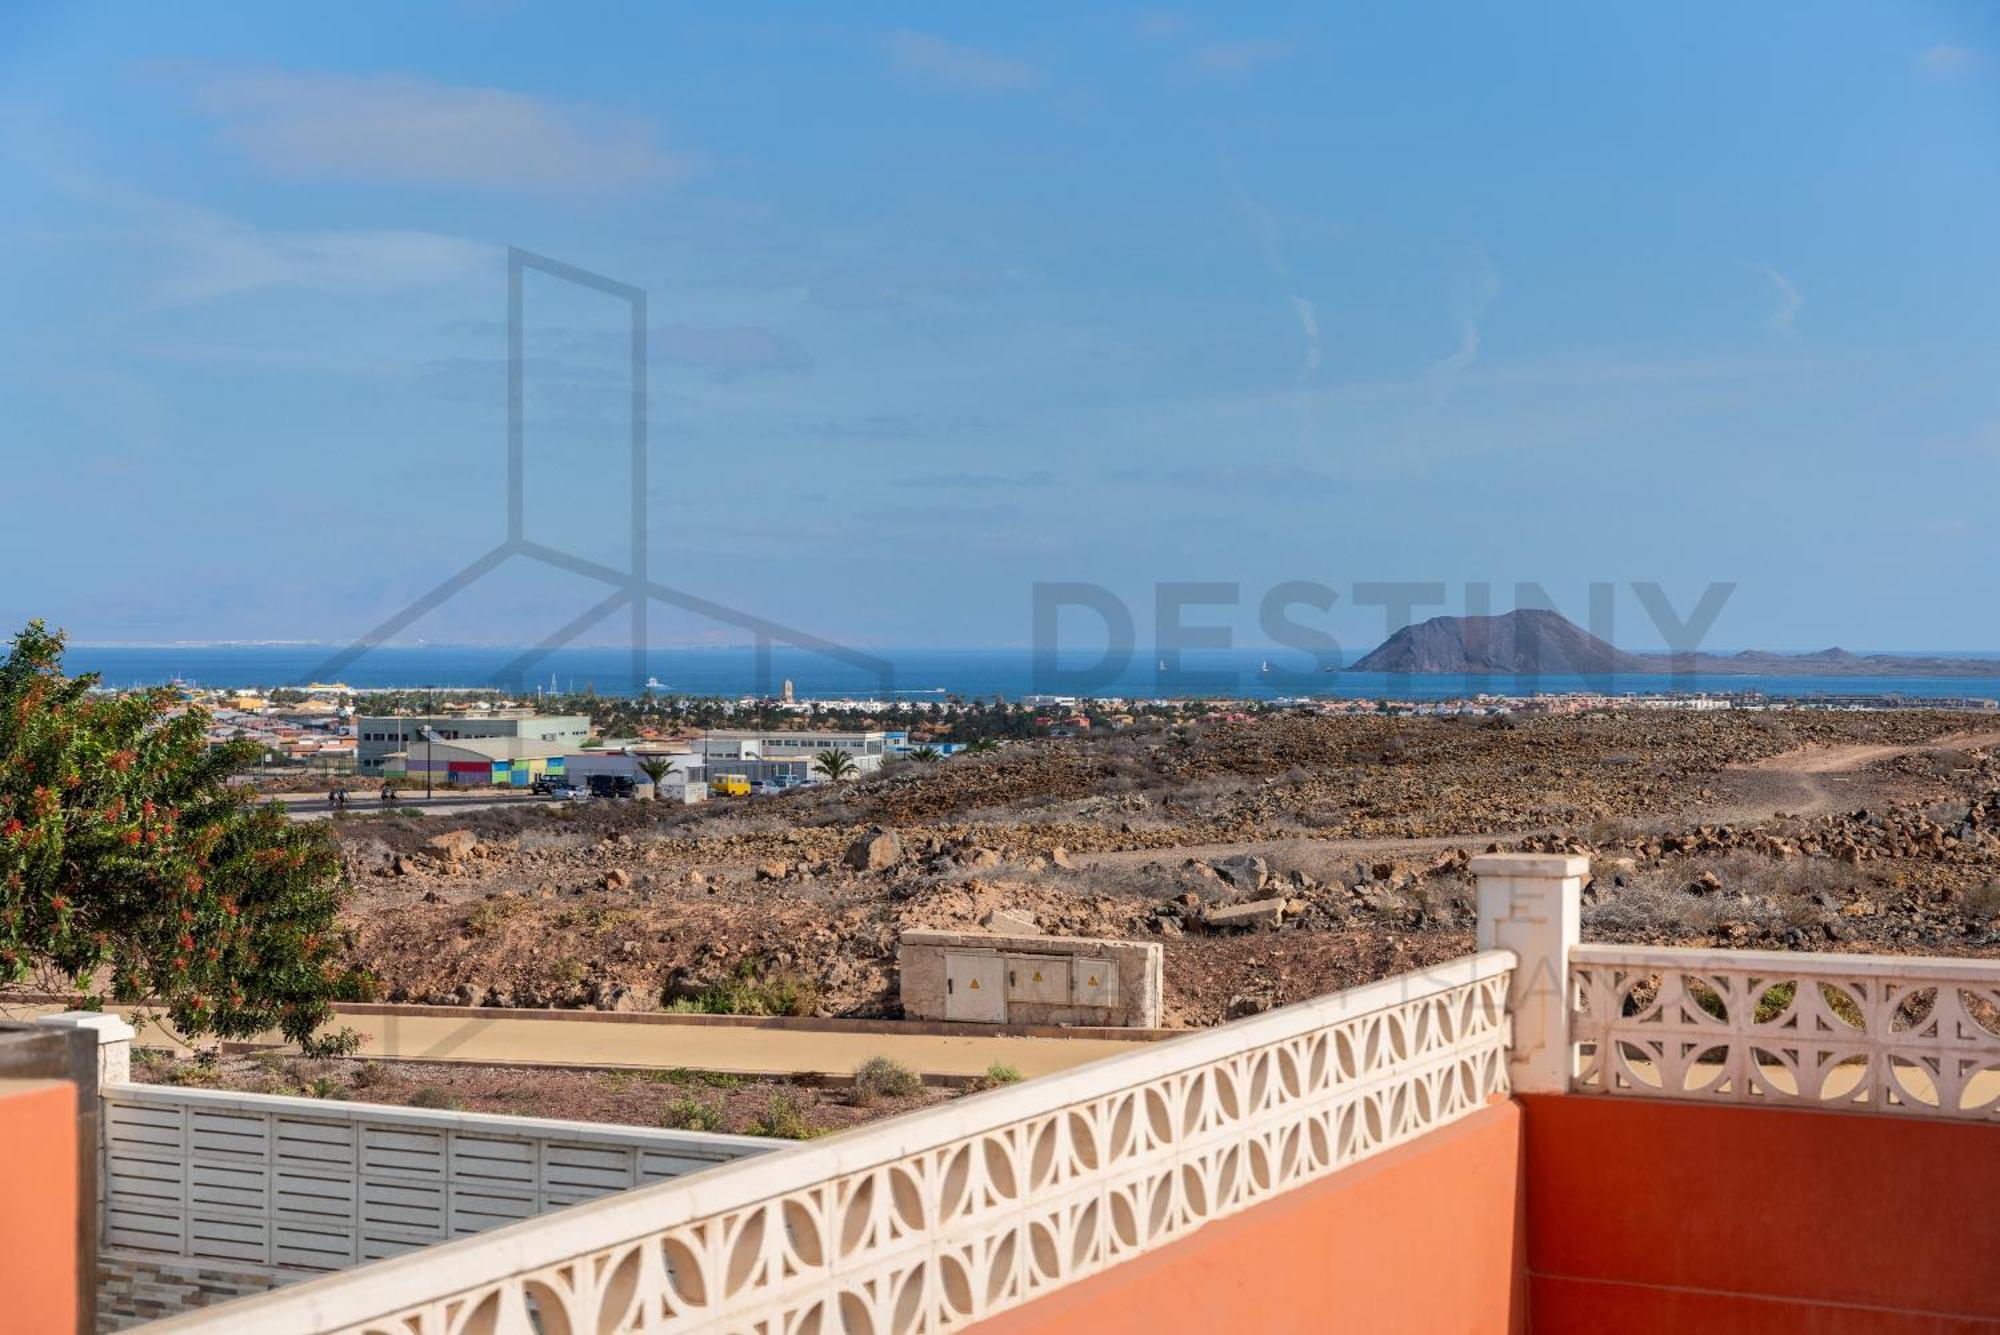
122 760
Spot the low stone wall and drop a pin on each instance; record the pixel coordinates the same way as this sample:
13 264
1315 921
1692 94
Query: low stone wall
133 1290
993 978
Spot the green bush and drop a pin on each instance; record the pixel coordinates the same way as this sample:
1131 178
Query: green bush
681 1075
746 992
434 1096
785 1117
688 1113
372 1075
884 1078
131 867
1000 1073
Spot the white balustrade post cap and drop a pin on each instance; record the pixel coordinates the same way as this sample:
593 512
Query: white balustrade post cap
1556 866
109 1028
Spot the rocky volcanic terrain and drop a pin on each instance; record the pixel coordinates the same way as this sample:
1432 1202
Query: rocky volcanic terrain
1276 858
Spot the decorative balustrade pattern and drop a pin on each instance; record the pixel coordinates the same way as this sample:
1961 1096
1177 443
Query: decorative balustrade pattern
1888 1034
931 1221
303 1186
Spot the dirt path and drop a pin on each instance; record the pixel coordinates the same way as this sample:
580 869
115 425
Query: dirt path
1815 780
1806 782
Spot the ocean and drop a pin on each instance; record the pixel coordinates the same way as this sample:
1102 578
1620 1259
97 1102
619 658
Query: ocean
913 674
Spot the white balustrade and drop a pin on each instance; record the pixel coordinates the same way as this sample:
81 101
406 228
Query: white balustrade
1874 1033
933 1220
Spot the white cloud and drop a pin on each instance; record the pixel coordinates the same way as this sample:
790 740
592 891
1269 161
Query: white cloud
1946 59
1234 60
1790 300
404 130
204 254
1469 316
962 68
232 256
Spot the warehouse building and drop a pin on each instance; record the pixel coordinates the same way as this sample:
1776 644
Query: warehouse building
477 762
377 738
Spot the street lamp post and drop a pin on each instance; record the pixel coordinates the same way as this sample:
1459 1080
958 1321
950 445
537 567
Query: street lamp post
429 735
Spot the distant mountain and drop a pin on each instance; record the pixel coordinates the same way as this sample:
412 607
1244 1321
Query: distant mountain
1531 642
1519 643
1828 663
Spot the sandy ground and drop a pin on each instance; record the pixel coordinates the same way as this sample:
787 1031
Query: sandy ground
662 1043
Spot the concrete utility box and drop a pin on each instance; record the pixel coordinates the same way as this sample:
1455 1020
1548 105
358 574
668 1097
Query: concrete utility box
989 978
975 987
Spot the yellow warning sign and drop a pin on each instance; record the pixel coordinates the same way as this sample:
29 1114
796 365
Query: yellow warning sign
1092 982
1038 975
975 984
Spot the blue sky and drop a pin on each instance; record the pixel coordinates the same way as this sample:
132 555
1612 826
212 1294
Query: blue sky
947 302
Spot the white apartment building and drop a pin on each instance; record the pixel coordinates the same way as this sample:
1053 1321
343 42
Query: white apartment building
739 752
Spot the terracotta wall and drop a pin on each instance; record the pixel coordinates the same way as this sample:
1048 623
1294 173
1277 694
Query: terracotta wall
38 1277
1421 1240
1648 1216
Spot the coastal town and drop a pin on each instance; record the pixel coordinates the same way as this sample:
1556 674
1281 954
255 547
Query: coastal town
1110 669
478 738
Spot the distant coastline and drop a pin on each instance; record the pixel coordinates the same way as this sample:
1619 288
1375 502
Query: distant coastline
968 673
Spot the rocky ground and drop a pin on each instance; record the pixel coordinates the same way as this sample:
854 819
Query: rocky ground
674 1100
1276 858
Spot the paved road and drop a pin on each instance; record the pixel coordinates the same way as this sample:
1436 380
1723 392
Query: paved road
531 1040
316 806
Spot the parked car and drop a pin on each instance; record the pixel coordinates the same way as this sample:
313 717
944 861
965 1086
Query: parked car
545 786
610 785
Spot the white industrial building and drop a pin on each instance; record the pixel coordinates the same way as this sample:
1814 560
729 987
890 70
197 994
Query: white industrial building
685 781
377 737
761 756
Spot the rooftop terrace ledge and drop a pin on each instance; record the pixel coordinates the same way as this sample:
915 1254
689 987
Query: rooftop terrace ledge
1788 964
355 1297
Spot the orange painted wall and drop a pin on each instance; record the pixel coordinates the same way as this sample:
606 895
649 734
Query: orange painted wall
38 1207
1422 1240
1648 1216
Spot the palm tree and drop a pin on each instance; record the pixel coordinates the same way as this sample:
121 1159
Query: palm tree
835 765
926 754
981 746
656 769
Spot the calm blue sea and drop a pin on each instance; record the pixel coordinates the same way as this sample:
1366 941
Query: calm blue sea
912 673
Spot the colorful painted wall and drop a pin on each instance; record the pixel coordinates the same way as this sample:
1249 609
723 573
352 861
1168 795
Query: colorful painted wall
1423 1239
1572 1215
38 1221
1651 1216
